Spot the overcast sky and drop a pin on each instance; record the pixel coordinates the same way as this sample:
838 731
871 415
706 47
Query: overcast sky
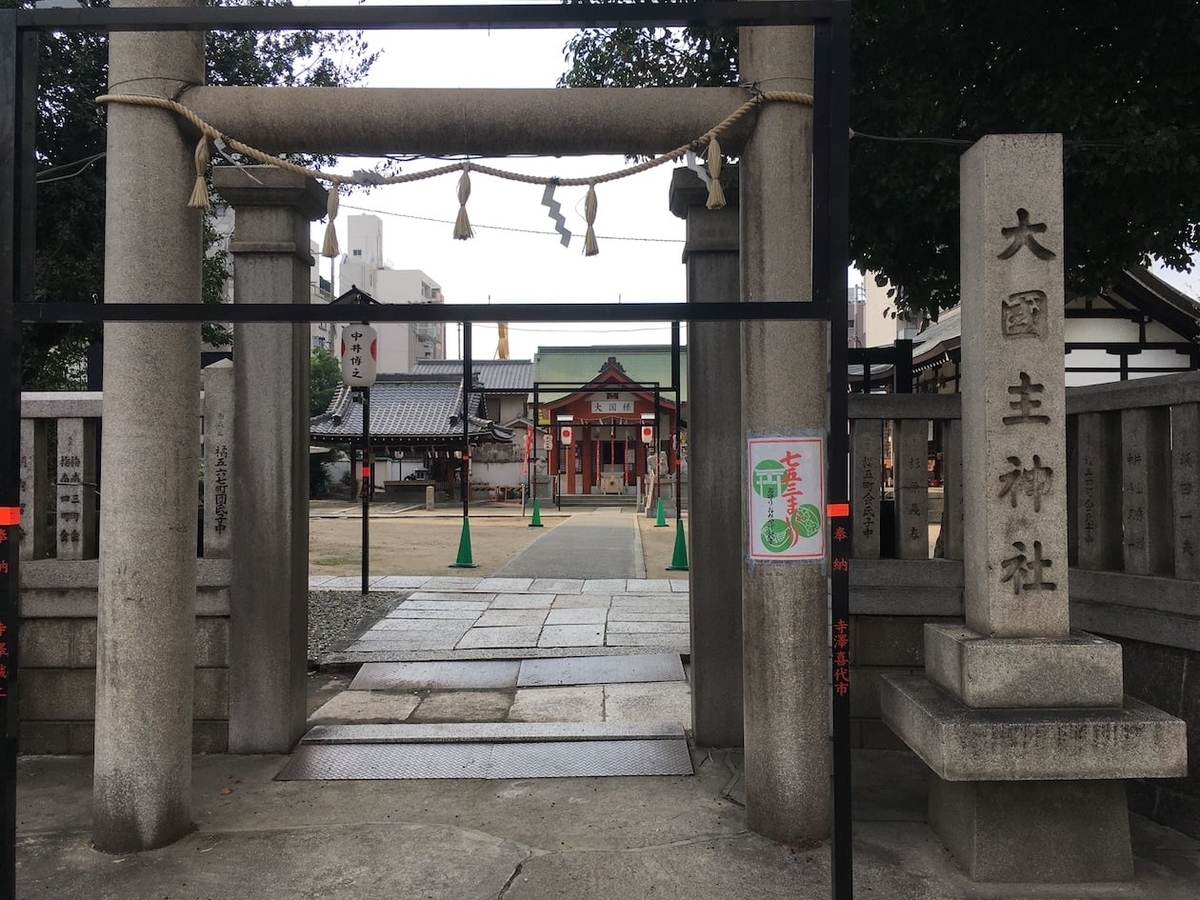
515 256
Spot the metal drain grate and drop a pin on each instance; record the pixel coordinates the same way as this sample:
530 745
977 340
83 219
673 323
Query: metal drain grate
558 759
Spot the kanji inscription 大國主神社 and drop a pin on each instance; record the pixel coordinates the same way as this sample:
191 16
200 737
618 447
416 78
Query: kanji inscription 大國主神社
1033 482
1023 314
1025 572
1022 235
1026 404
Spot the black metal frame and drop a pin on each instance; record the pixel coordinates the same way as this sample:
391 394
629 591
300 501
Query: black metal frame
830 168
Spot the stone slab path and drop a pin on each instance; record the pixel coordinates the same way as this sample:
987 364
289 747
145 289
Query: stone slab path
460 618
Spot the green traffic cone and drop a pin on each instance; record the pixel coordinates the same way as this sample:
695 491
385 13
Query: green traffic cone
536 521
662 519
464 560
679 561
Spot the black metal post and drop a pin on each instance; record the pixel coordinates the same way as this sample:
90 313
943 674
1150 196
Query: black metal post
10 435
902 367
831 180
368 486
18 122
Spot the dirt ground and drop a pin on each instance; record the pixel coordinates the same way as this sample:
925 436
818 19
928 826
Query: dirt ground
427 545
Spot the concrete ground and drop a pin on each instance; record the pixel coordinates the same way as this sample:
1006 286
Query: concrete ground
518 839
672 837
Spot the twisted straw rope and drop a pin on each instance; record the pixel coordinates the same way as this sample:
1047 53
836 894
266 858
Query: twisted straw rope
334 179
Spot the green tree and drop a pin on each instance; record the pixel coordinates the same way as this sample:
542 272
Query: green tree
930 77
70 156
325 374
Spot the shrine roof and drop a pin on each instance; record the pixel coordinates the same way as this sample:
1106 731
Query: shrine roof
1135 289
644 365
405 409
498 376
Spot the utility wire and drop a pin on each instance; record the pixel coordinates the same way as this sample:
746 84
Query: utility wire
384 212
80 166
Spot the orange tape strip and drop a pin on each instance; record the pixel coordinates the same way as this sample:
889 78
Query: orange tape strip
837 510
10 515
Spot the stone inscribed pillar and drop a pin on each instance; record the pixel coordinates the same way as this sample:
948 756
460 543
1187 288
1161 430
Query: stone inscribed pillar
910 454
1014 423
1185 475
33 488
75 489
268 615
218 459
1023 722
866 489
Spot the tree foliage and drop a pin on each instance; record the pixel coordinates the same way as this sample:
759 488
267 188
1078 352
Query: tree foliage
930 77
325 374
71 142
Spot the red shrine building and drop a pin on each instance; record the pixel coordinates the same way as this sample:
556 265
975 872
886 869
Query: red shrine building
608 432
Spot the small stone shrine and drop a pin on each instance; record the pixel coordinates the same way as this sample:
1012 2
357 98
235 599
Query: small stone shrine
1023 721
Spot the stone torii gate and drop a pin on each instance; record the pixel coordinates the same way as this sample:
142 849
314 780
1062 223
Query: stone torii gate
143 739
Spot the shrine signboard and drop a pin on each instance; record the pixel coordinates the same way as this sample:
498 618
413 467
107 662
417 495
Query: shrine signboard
786 497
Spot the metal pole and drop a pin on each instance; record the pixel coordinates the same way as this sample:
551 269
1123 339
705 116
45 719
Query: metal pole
367 488
831 178
676 444
465 476
657 415
531 475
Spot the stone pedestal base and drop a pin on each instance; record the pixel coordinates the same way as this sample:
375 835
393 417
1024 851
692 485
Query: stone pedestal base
1033 794
963 744
1078 671
1062 832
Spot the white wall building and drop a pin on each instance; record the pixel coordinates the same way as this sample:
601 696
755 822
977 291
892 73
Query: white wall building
363 266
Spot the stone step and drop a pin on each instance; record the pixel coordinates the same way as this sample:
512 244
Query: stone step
496 750
492 732
507 673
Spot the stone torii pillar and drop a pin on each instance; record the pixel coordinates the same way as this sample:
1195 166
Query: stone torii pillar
147 606
785 603
715 434
268 604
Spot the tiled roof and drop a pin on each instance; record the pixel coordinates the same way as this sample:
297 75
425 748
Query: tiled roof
499 376
406 408
579 365
948 328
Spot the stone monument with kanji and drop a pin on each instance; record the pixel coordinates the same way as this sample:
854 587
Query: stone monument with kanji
1023 721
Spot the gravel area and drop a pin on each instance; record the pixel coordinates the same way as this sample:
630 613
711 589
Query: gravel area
335 617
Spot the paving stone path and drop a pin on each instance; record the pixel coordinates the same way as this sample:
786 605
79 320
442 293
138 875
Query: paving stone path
449 617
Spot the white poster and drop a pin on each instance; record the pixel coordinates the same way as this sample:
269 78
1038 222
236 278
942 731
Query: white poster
786 490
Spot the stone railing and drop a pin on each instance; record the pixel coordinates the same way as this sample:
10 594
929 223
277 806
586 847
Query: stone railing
1133 459
1133 494
60 498
1133 489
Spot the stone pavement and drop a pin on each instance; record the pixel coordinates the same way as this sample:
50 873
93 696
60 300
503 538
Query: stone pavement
261 838
463 649
454 617
258 838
